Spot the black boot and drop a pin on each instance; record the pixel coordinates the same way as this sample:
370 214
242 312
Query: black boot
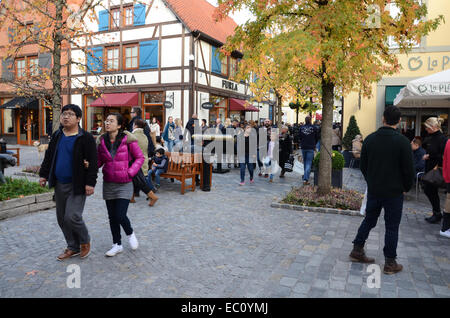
358 255
445 222
391 266
435 218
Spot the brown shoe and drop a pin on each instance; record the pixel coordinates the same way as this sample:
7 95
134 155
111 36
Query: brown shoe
391 266
358 255
153 198
85 250
67 254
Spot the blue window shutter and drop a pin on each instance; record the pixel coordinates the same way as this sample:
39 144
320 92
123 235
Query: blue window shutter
103 17
216 65
148 54
139 14
95 61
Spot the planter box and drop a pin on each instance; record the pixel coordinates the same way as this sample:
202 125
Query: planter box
28 204
314 209
336 178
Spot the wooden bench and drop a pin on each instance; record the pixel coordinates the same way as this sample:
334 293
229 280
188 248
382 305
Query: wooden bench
181 167
16 155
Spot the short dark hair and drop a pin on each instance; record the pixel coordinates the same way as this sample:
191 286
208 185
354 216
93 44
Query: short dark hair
418 141
204 120
139 123
392 115
160 151
120 120
137 110
75 108
308 120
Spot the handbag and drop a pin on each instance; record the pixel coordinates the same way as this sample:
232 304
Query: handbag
289 164
434 177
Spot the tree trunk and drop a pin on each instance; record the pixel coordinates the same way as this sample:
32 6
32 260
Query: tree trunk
278 109
297 115
326 133
56 70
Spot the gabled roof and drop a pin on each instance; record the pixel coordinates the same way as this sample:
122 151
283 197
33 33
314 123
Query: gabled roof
197 15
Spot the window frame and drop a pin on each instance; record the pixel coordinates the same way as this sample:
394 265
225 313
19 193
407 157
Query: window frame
28 67
234 64
112 25
110 48
125 9
124 57
16 61
227 66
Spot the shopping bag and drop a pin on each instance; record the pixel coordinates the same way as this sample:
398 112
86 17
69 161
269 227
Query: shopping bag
362 211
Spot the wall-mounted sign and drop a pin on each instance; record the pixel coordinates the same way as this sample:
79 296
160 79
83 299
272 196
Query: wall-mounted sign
119 79
207 105
168 104
229 85
416 63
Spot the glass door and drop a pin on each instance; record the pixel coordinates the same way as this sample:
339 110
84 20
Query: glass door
28 124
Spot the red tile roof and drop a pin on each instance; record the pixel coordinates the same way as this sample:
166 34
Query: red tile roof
198 16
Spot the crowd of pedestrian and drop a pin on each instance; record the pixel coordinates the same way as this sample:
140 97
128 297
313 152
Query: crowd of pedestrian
133 158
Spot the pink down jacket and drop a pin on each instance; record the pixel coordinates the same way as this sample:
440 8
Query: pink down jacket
117 170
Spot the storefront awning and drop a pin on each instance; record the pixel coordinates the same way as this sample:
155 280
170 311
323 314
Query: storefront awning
431 91
391 93
117 100
21 102
242 105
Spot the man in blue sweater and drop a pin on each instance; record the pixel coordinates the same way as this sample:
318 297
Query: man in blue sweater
309 137
388 167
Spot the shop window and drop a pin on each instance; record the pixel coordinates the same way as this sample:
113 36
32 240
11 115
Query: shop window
47 114
131 57
153 98
9 122
115 19
112 58
94 118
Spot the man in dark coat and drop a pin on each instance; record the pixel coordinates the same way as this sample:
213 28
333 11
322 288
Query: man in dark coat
388 167
70 166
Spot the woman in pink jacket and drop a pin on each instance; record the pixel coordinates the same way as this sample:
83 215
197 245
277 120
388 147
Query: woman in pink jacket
445 231
116 149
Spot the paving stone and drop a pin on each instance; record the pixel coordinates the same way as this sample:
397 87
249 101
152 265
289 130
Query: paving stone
288 281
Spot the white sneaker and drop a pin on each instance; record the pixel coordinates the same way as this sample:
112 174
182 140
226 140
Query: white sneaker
133 241
114 250
446 233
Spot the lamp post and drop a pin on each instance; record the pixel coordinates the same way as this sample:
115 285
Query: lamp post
191 82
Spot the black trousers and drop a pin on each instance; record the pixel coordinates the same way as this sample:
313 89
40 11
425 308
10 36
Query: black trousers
433 195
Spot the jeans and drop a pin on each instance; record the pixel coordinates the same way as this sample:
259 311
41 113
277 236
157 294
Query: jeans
156 173
117 212
308 156
433 195
250 168
392 216
170 145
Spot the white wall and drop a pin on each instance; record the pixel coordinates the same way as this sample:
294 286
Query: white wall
171 52
175 111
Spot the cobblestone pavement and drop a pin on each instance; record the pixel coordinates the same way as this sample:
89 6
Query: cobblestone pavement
223 243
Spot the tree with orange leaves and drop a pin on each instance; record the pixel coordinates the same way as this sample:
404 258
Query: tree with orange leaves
327 45
50 29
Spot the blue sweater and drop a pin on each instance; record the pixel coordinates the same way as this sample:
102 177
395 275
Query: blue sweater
64 159
419 163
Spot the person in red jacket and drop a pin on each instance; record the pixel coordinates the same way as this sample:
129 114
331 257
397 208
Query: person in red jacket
445 231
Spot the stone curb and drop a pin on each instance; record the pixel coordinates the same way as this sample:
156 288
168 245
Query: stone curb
314 209
26 174
25 205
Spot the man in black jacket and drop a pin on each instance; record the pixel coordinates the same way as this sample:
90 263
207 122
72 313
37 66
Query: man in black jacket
70 166
388 167
308 139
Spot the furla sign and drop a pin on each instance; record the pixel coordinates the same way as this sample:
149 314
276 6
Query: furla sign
127 79
229 85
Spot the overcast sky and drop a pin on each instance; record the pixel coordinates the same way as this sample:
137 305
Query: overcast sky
239 17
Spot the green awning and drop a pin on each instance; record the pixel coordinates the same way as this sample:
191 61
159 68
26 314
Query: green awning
391 93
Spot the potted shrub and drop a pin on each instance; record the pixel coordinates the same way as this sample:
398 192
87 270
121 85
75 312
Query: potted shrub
338 163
